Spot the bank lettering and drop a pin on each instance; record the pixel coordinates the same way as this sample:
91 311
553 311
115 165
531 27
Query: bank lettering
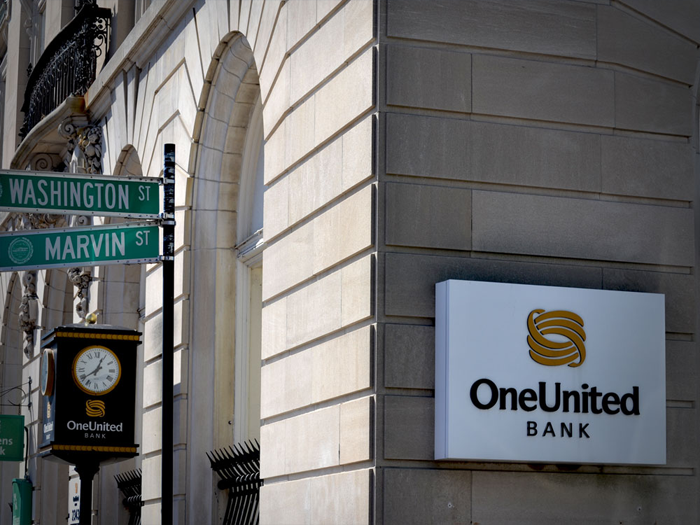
486 395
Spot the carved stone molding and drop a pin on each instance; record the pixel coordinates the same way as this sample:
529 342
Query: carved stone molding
29 311
81 279
84 144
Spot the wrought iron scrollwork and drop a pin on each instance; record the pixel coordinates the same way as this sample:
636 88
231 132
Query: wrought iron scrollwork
68 66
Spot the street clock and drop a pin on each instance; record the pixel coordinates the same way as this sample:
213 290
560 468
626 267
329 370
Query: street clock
88 386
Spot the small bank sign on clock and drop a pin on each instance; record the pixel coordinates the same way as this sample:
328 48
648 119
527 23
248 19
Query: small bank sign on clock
546 374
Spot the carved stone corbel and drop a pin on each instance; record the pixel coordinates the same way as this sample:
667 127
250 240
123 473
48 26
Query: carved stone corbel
29 311
84 144
81 279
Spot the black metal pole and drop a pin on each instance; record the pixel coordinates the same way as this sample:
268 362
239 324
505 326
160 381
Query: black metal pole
168 224
87 471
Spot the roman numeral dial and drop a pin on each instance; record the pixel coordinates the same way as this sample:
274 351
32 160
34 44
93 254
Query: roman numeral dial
96 370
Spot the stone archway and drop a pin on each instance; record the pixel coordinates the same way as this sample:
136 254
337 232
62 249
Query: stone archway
227 158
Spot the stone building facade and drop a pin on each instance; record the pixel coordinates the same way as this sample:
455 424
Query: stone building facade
336 159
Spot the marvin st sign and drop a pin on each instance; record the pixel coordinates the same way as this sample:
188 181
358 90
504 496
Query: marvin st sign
546 374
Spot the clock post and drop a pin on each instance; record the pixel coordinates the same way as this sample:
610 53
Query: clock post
88 386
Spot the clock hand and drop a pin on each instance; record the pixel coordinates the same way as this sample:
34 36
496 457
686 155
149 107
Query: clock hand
99 367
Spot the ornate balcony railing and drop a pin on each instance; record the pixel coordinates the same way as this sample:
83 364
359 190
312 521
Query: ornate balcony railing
67 66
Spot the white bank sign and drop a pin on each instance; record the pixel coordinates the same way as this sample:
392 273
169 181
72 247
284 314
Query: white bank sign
546 374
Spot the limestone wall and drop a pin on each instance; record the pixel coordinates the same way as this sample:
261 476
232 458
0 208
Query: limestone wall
547 142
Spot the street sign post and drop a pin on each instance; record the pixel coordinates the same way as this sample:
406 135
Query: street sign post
69 193
127 243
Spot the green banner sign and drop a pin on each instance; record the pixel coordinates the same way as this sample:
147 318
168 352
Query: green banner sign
67 193
69 247
11 438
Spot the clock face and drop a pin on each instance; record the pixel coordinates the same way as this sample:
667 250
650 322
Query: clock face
47 372
96 370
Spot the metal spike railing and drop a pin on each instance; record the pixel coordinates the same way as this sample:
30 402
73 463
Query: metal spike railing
239 470
130 485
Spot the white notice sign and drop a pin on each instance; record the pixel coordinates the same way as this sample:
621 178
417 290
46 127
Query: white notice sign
545 374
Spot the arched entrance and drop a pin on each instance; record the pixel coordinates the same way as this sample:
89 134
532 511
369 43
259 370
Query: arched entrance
226 277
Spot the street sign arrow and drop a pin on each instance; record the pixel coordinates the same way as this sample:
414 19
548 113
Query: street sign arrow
126 243
70 193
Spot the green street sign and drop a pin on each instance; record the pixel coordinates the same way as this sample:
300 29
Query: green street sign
68 193
11 438
125 243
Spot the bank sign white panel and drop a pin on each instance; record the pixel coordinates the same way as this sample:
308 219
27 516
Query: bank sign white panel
545 374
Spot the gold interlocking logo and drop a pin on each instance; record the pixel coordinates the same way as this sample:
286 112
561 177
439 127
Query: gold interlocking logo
95 408
547 352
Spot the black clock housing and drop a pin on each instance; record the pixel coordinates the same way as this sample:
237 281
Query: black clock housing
76 422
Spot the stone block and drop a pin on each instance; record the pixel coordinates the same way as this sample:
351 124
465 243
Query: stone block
681 364
274 328
536 157
273 450
154 291
267 24
300 131
318 308
151 486
629 41
313 440
253 23
343 230
335 498
151 430
297 380
345 97
273 379
642 104
409 427
647 168
315 182
420 496
358 162
301 19
408 136
428 216
410 279
336 367
678 289
356 431
356 295
323 7
288 261
550 499
279 101
358 24
276 208
529 89
275 153
314 310
680 16
581 228
341 366
152 384
682 438
542 26
428 78
409 356
276 51
317 57
153 338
